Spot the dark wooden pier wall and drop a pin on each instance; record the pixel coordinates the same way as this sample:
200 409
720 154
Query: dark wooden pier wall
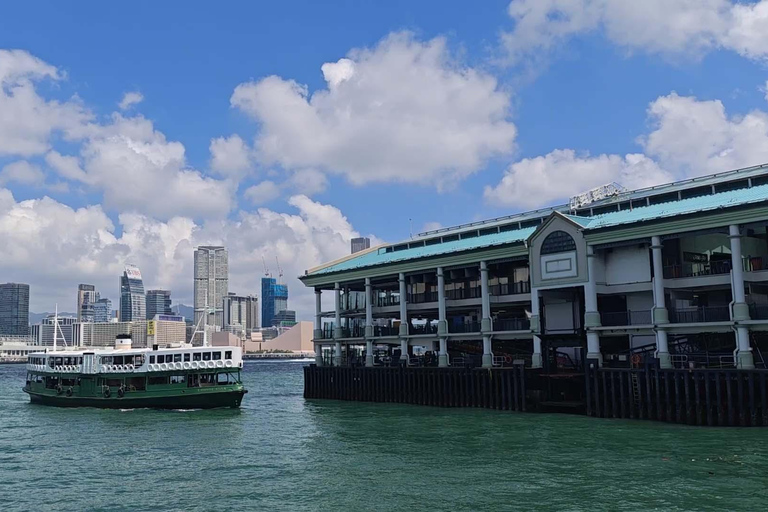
502 388
694 397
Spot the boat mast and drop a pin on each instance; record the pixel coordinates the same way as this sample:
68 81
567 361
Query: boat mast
55 325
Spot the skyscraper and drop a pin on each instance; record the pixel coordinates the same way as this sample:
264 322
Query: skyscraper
241 313
86 298
274 298
102 311
360 244
132 300
158 303
211 283
14 309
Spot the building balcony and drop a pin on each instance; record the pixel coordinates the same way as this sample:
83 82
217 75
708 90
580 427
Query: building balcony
463 327
711 268
510 288
616 318
423 329
512 324
758 311
385 330
463 293
389 300
421 298
700 314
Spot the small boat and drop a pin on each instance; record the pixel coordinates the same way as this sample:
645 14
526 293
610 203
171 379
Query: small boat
183 377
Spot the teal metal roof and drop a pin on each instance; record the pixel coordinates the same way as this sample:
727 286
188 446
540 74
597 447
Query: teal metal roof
372 258
682 207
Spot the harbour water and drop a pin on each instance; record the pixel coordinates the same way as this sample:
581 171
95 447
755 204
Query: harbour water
281 452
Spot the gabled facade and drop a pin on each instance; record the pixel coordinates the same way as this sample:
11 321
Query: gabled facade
679 272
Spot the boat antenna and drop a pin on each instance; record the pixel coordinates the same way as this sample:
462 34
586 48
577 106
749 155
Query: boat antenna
55 325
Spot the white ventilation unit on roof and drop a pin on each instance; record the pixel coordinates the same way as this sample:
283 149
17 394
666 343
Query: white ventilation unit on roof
596 194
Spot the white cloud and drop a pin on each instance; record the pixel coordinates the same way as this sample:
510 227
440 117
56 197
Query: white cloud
308 182
404 111
547 179
22 172
26 119
130 99
230 156
431 226
53 247
670 27
264 192
66 166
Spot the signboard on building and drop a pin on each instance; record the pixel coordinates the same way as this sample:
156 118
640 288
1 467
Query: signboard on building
151 327
132 272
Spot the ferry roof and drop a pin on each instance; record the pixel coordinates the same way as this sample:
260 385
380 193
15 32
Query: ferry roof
519 227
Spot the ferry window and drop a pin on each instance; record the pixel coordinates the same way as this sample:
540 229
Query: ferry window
160 359
118 359
196 356
50 362
216 356
222 378
67 382
228 354
176 358
138 359
114 383
151 359
59 361
186 358
177 379
153 381
79 360
128 359
206 356
106 360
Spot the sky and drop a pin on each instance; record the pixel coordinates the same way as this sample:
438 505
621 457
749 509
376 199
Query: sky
132 133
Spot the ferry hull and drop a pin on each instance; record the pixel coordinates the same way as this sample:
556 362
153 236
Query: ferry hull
212 400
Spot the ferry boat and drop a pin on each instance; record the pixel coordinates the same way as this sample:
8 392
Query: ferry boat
183 377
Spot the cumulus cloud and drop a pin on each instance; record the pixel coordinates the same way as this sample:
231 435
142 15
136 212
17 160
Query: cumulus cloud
669 27
22 172
53 247
308 182
230 156
263 192
130 99
404 110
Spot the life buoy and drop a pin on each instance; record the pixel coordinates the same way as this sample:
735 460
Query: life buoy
228 364
194 364
636 359
186 366
69 391
507 359
107 393
220 364
58 389
120 392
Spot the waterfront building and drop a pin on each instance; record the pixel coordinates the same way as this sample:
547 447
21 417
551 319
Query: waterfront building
132 299
158 303
676 274
241 314
274 298
102 311
360 244
211 270
163 330
16 348
86 298
284 318
43 332
14 309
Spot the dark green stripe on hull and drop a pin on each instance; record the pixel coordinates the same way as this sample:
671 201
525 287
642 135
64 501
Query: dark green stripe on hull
230 398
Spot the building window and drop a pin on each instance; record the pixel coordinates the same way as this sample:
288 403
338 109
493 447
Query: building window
558 241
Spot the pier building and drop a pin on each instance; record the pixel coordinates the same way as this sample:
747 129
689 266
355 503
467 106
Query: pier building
668 277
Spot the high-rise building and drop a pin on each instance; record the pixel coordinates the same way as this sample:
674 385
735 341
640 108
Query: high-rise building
102 311
241 313
360 244
44 331
14 309
158 303
211 283
86 298
132 299
274 298
284 318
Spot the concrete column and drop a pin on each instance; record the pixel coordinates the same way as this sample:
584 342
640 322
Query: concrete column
318 334
660 313
536 359
743 353
337 331
591 315
485 323
442 323
368 322
318 354
403 319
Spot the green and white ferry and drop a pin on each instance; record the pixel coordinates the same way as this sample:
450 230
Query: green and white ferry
123 377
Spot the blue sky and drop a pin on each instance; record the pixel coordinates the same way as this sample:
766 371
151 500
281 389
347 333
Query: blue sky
504 106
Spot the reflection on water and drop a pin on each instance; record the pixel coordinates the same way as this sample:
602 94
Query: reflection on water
281 452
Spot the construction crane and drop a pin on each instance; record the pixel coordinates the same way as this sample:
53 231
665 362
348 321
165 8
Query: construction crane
279 271
266 269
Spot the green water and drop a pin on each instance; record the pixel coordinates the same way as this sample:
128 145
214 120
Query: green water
280 452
